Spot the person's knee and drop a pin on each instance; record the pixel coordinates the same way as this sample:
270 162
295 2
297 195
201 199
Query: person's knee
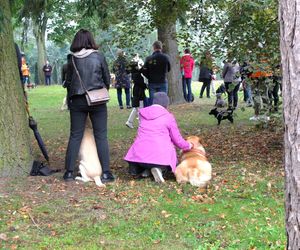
76 135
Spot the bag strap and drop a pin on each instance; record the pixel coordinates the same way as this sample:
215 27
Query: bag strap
80 80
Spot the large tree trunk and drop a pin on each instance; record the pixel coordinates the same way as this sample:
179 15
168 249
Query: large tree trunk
290 58
15 155
167 35
39 31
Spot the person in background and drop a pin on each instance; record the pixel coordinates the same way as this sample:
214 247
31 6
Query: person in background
139 86
187 66
154 146
122 78
228 75
273 91
64 70
25 72
245 74
205 75
213 79
261 78
47 68
94 73
155 70
236 82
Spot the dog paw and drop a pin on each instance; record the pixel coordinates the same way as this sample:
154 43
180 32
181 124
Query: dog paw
101 185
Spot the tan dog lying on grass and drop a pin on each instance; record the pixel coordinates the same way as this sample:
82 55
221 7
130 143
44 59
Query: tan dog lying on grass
194 166
89 164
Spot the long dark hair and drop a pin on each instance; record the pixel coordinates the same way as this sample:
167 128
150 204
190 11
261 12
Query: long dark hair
83 40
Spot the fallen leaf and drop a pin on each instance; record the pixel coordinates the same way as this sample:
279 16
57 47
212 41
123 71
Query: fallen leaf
3 237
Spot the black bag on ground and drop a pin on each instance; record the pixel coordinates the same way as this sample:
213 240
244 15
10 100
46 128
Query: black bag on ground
38 168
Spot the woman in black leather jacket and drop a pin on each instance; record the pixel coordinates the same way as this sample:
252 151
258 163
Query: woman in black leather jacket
94 72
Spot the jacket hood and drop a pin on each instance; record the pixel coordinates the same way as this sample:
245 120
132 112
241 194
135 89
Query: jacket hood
84 53
153 112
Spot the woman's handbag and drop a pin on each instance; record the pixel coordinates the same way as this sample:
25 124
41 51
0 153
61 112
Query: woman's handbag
95 96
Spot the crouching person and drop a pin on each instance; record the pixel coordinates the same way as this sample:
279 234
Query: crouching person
154 147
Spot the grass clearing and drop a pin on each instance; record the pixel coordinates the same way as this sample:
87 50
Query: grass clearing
242 208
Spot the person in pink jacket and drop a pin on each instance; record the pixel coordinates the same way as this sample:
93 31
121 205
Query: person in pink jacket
154 145
187 64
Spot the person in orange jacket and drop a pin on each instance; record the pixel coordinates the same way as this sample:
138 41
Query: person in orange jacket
260 76
25 72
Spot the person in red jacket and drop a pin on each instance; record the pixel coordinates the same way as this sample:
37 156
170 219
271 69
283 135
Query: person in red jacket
187 66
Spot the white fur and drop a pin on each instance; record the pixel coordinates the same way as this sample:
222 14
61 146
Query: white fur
89 164
64 105
204 177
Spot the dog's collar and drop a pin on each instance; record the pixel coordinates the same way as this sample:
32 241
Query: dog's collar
198 151
195 150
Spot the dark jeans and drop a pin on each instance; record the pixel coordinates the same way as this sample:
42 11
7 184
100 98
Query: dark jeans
205 85
156 87
273 94
186 85
136 168
48 80
232 91
127 93
79 110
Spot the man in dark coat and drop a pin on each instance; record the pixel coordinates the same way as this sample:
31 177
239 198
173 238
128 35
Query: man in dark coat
205 75
47 72
155 69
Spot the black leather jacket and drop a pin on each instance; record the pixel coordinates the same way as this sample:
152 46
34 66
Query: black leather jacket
93 71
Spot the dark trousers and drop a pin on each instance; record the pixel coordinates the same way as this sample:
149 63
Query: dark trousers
232 91
136 168
79 110
273 94
48 80
186 85
205 85
127 93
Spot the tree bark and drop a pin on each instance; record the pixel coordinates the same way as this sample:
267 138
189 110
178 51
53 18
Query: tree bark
15 153
167 35
290 59
39 31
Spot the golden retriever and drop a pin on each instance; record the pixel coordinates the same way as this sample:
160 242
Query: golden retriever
89 164
194 166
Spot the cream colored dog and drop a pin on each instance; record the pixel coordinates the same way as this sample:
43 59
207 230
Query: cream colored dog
64 105
89 164
194 166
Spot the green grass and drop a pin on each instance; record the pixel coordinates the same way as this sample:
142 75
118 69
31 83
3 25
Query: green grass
242 208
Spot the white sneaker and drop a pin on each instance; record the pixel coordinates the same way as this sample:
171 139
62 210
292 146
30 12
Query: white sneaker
129 124
254 118
157 174
264 118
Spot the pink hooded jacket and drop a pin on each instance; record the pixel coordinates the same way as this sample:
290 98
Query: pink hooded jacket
187 65
157 134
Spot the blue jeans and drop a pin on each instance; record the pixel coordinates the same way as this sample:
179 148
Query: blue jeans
127 93
248 94
156 87
48 80
186 84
